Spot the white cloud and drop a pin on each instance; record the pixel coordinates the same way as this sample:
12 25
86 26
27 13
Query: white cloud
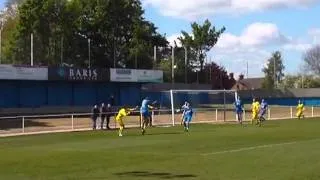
255 45
174 38
315 35
199 8
256 34
300 47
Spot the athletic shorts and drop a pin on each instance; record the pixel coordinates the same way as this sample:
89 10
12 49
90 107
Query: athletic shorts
187 118
145 114
239 111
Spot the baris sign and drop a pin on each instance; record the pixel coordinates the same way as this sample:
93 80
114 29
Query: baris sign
78 74
83 74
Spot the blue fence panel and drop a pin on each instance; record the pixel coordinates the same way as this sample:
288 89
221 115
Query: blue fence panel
60 94
33 94
9 94
130 95
104 92
84 94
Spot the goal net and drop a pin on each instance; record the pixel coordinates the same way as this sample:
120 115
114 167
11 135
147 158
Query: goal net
208 105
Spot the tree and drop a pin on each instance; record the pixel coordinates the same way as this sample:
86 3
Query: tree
300 81
219 77
202 39
290 81
312 59
116 30
273 71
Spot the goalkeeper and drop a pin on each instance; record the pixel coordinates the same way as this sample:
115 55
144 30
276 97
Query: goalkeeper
239 110
186 116
123 112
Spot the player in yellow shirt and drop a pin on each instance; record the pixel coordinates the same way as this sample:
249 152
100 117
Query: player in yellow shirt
123 112
300 110
255 111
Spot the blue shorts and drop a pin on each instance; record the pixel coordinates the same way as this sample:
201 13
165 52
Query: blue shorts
187 118
239 111
145 114
262 113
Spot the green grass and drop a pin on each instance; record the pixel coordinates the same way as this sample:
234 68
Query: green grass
288 150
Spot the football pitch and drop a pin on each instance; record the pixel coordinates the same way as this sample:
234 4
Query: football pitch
287 149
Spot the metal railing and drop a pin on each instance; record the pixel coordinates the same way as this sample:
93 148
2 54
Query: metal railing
38 124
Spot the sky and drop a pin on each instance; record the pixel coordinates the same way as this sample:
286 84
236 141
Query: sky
254 29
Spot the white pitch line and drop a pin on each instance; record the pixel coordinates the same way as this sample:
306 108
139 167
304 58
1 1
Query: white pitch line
248 148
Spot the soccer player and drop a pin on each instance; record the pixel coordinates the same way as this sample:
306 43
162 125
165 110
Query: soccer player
187 116
145 114
255 111
183 108
300 110
239 109
123 112
263 110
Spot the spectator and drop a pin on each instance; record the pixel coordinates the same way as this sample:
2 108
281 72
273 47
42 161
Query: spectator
95 114
112 101
108 115
103 111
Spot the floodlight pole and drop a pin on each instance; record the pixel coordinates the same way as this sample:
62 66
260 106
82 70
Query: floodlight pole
31 54
172 66
185 65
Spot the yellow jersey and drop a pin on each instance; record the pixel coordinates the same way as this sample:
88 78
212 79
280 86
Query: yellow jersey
121 114
300 107
255 107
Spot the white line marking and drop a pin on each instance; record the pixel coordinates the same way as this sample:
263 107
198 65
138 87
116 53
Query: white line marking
247 148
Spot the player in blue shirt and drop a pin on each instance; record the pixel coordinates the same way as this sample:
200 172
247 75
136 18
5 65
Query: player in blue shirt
145 114
263 110
239 109
187 115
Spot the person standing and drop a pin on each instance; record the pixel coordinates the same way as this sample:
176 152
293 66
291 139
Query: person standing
108 115
239 110
103 112
112 101
95 114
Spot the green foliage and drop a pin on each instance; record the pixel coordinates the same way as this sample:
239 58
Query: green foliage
61 28
301 81
202 39
273 71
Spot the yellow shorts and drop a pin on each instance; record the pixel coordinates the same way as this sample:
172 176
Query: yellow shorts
299 113
120 122
254 115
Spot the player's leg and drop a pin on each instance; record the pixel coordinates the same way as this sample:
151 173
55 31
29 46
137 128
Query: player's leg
257 118
188 121
121 126
253 115
107 121
103 117
94 123
184 121
298 114
145 120
239 116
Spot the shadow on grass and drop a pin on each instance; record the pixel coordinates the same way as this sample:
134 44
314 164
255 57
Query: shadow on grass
161 175
9 124
163 133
